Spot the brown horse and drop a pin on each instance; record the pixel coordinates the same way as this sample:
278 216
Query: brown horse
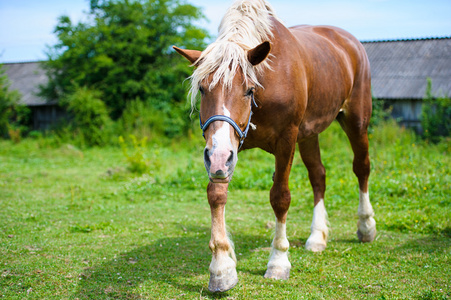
268 86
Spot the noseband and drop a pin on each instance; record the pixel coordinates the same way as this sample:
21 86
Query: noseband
242 134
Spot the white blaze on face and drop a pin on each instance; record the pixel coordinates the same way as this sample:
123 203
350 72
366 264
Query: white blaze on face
222 154
221 138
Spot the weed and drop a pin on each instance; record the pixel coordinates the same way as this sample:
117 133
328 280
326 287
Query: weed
136 158
14 134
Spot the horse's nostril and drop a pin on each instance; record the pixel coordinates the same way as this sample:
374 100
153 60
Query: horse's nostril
220 174
230 159
207 158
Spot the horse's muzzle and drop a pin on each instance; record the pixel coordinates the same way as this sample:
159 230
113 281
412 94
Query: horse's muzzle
220 164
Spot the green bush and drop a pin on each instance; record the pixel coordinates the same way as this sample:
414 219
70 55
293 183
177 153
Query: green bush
11 112
435 116
379 115
141 119
90 120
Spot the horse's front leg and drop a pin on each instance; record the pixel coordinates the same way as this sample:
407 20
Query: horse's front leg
223 274
279 266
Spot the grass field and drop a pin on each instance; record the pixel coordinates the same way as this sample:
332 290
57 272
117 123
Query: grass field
75 224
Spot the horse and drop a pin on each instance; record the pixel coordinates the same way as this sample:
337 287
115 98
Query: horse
263 85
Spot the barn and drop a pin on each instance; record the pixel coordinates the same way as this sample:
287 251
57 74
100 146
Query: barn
399 68
26 77
399 71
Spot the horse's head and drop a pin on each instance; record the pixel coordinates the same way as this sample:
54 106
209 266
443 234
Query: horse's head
225 109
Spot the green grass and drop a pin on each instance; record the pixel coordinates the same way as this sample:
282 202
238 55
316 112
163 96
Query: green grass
76 224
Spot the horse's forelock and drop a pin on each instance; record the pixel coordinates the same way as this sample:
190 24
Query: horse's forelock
246 24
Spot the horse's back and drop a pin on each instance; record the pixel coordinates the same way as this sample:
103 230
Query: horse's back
312 36
338 73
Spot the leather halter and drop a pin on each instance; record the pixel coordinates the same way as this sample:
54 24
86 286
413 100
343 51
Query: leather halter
241 133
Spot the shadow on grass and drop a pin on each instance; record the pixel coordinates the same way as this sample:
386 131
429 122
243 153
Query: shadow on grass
170 267
177 267
428 244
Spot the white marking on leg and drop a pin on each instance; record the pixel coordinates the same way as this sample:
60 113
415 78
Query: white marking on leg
222 268
217 235
365 208
279 249
319 232
366 224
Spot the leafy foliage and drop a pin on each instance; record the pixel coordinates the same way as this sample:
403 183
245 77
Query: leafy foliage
435 116
90 116
124 51
379 115
9 107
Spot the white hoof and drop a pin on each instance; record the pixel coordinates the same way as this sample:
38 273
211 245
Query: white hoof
366 231
278 266
317 241
279 273
223 276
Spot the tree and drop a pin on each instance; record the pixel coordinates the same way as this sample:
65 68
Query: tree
9 101
124 51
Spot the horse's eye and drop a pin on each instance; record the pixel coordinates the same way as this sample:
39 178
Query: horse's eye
201 90
250 92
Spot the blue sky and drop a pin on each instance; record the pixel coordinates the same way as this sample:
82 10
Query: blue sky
26 26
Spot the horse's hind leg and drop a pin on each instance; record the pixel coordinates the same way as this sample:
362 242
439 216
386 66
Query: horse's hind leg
311 157
355 125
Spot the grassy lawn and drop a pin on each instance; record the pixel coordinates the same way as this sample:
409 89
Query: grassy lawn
76 224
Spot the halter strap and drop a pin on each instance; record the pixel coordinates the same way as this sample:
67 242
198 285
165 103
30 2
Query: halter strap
242 134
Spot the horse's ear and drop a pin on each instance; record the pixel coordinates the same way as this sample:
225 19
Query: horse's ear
191 55
259 53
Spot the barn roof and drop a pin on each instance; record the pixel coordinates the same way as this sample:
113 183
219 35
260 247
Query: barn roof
400 68
26 78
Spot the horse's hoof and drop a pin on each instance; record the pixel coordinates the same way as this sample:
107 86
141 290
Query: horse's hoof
315 246
317 240
223 282
278 273
366 230
366 238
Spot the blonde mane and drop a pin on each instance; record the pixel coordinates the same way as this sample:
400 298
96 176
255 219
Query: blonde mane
246 24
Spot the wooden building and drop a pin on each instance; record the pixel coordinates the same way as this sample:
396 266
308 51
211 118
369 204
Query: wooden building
26 78
399 71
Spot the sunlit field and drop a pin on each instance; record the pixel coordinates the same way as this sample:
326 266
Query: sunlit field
76 223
